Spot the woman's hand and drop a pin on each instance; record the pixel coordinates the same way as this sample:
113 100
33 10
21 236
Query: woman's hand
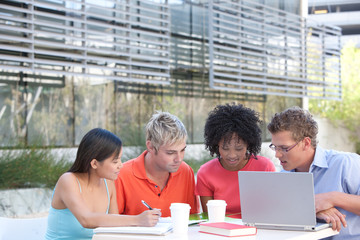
149 218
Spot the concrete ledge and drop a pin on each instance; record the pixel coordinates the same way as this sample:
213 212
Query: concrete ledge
22 202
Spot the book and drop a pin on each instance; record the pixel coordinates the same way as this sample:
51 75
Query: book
227 229
197 218
161 228
192 220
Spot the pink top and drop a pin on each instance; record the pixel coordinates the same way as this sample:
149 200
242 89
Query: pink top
214 180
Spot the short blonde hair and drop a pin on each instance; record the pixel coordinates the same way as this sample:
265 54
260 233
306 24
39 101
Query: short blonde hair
165 128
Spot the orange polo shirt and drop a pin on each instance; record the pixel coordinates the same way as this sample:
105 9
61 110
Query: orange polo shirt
132 186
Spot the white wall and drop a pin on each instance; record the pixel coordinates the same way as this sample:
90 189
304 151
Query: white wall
334 137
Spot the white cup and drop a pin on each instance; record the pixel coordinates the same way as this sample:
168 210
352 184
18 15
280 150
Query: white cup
180 217
216 210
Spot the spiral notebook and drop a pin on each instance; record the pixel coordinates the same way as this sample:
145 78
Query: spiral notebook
278 200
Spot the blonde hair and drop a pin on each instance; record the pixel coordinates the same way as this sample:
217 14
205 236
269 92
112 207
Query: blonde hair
165 128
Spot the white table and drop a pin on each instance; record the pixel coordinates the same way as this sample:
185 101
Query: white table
194 234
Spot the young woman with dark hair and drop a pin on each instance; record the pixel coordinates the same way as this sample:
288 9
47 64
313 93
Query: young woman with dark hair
85 197
232 133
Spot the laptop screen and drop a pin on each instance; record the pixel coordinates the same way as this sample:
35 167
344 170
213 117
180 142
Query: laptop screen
277 198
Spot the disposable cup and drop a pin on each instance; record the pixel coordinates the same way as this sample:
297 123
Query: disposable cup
216 210
180 217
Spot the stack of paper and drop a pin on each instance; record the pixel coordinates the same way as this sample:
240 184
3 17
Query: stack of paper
161 228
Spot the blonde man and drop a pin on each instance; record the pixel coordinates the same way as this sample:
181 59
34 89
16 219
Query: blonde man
158 176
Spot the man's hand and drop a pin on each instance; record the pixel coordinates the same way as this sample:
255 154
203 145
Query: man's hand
333 216
324 201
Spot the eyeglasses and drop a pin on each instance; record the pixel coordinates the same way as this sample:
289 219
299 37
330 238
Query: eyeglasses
282 149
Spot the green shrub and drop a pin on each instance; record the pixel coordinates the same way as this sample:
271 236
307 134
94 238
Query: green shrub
31 167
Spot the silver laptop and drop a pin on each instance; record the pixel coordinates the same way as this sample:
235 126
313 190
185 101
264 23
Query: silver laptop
278 200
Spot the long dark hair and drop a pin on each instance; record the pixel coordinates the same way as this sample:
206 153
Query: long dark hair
98 144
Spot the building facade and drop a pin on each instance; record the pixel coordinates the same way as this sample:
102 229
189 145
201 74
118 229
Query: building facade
67 66
341 13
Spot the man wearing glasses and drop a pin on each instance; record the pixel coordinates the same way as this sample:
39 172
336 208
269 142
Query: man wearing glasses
336 174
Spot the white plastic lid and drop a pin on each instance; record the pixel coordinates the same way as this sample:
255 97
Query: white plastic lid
216 202
180 205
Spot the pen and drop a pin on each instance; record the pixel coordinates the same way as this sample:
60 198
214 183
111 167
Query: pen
147 205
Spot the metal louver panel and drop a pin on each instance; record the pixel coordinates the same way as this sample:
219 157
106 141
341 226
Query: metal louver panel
262 50
114 40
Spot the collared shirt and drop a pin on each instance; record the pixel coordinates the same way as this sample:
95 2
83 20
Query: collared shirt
340 172
133 185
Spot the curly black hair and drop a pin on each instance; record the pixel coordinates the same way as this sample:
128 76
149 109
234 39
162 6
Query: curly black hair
227 119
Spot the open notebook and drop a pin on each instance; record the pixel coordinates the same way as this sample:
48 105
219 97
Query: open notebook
278 200
161 228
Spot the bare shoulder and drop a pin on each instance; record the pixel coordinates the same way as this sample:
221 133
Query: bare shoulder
67 179
66 187
67 176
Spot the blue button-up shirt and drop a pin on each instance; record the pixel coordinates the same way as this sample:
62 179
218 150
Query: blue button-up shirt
340 172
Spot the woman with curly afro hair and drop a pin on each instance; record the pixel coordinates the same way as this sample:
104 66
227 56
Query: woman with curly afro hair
232 133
